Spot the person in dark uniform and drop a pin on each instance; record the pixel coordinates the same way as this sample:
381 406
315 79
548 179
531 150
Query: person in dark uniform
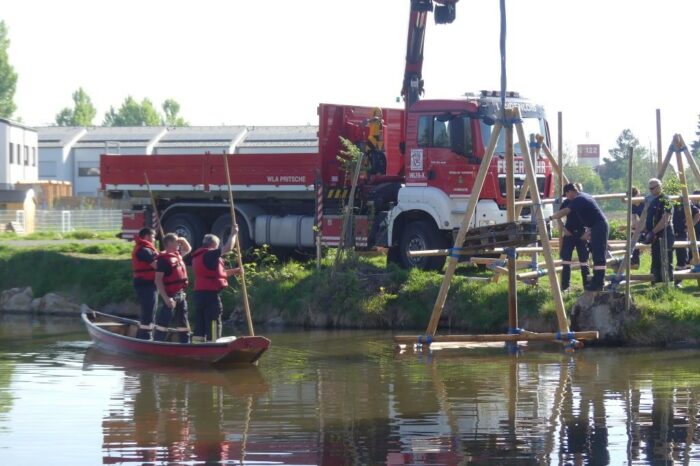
680 232
584 207
637 210
210 277
171 281
572 238
143 264
659 227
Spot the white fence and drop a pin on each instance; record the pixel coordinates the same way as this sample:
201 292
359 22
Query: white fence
65 221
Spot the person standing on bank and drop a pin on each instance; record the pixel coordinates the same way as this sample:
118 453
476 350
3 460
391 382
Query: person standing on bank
210 277
171 281
572 233
584 207
143 263
680 233
659 228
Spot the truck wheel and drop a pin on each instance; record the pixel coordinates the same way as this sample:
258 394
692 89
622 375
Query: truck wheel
188 226
419 236
222 229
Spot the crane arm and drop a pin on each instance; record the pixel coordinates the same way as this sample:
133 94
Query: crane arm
445 11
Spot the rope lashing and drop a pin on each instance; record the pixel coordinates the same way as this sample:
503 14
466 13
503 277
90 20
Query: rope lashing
425 340
569 336
673 148
515 331
511 253
572 345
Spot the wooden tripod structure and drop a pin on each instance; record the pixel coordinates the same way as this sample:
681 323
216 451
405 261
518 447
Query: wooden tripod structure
515 333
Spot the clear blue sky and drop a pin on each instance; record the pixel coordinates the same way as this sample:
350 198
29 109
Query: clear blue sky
606 64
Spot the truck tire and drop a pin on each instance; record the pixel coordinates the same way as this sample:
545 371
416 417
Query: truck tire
188 226
222 229
418 236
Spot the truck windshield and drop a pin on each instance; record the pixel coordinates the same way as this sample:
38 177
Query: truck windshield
530 126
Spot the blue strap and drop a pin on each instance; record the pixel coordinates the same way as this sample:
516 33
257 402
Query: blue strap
571 345
511 253
453 252
541 272
425 340
515 331
567 336
673 148
696 268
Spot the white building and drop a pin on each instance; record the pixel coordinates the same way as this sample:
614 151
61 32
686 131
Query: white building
73 154
18 153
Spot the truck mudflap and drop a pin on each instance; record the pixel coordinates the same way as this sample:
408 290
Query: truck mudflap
332 227
132 222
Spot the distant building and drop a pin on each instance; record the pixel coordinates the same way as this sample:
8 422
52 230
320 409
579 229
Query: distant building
18 153
588 154
73 154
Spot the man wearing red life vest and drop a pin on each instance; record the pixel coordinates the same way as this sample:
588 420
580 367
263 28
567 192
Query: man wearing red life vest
171 281
143 264
210 277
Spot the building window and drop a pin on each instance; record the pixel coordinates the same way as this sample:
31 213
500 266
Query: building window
88 169
12 153
19 154
26 155
33 156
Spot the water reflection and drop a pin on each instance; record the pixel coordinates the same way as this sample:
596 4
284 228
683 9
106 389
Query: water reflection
345 398
175 414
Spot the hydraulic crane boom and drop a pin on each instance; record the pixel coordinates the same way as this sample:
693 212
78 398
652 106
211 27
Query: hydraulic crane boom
445 11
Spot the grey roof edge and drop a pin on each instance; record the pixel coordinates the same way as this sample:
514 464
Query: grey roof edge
17 124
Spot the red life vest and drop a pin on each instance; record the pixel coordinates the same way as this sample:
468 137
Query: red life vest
142 269
177 280
206 279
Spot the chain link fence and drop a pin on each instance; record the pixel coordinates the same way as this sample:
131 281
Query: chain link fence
66 221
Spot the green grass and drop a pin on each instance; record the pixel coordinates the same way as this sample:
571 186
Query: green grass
54 235
363 292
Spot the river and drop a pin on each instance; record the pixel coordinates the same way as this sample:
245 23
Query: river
340 398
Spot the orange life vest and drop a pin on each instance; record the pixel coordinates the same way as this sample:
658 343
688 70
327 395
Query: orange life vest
142 269
206 279
177 280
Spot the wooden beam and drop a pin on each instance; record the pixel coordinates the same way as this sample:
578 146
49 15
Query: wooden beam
541 226
524 336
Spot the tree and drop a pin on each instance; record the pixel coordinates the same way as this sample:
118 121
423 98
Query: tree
171 109
613 172
133 113
8 76
586 176
695 146
82 113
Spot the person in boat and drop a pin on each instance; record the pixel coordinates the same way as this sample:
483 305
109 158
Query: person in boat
143 265
171 281
591 216
210 277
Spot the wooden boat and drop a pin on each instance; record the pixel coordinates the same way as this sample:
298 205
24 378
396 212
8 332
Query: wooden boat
118 335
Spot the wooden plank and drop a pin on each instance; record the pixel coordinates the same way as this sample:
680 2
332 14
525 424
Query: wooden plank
524 336
510 216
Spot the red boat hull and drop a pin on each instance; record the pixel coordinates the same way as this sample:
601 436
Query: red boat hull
111 333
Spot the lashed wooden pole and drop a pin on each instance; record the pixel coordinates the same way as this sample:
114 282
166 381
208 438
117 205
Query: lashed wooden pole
510 216
452 261
246 304
154 206
628 257
542 227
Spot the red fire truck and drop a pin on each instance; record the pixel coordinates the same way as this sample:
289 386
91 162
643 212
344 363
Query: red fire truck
423 161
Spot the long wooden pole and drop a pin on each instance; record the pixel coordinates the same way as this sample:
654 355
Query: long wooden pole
542 227
560 152
686 209
558 169
658 139
524 336
510 216
628 257
154 206
461 234
246 304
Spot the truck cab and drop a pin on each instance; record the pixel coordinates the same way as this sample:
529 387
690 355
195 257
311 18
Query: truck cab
445 143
